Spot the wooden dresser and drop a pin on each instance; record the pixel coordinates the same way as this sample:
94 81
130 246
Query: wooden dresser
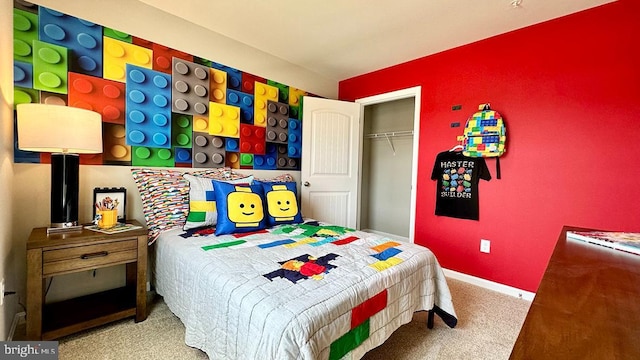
58 254
587 306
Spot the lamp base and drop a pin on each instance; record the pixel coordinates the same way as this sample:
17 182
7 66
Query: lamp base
63 230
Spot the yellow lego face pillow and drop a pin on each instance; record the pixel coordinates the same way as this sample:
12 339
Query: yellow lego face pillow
240 208
282 203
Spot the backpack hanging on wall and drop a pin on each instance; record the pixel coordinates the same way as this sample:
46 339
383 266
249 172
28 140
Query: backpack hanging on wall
485 135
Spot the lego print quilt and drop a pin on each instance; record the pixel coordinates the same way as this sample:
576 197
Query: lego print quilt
298 291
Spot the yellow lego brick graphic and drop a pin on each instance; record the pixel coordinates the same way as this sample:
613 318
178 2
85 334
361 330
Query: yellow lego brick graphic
263 93
117 54
218 86
201 123
224 120
295 95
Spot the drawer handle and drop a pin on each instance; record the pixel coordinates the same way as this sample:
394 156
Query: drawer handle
94 255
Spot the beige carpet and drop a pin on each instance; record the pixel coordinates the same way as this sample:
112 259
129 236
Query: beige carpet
488 324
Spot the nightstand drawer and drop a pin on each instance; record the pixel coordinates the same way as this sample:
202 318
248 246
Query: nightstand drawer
59 261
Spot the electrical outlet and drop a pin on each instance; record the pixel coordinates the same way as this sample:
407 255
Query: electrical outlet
485 246
1 292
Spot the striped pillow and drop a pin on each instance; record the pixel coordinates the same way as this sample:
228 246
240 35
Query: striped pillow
202 200
165 196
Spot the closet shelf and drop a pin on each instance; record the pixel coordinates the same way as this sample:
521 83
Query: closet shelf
389 134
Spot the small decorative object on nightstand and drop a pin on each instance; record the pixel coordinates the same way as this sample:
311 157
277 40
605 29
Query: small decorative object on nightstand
58 254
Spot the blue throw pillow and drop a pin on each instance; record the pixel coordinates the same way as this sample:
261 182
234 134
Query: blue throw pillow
240 208
282 203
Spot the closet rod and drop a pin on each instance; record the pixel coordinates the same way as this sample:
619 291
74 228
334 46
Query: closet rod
390 134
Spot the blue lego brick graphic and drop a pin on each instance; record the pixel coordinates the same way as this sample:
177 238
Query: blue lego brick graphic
295 139
268 161
234 77
182 156
232 145
245 102
23 74
148 104
82 37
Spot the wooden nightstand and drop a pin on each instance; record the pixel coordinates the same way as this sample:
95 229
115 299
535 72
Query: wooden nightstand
59 254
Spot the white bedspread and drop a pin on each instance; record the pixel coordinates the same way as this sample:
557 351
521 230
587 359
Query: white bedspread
235 305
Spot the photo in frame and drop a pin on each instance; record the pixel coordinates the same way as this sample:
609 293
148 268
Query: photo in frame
114 195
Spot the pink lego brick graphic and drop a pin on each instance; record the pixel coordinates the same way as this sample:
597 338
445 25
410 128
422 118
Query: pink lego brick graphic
103 96
190 90
263 94
224 120
218 86
162 57
117 54
252 139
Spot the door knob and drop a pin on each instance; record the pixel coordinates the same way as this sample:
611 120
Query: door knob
306 183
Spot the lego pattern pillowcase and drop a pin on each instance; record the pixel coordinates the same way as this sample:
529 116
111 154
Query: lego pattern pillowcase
202 201
281 199
165 196
240 208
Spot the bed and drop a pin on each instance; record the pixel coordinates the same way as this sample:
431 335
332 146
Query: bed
295 291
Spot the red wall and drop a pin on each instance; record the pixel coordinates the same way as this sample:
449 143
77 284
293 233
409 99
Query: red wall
569 91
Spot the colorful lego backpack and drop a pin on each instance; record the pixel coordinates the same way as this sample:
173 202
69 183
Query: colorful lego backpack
485 135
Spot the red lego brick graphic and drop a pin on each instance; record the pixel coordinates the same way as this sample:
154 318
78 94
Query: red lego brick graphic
106 97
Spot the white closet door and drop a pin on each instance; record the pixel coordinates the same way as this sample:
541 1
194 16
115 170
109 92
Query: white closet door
331 143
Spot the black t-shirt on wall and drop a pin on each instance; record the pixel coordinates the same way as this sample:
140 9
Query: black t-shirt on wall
457 186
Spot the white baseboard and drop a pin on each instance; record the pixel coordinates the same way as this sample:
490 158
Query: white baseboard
391 236
17 319
487 284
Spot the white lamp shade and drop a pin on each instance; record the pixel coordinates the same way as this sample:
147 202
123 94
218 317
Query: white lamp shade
56 128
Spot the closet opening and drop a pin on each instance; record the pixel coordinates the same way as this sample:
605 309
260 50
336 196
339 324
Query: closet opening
389 164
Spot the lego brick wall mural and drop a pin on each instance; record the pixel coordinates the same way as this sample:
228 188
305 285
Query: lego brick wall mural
159 106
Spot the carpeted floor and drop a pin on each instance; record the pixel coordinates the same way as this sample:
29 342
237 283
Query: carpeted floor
488 325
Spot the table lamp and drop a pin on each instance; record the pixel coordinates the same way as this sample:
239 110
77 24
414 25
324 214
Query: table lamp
64 132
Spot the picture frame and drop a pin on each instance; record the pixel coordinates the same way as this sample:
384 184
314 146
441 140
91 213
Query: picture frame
119 194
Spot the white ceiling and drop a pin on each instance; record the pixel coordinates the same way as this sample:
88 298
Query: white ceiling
340 39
